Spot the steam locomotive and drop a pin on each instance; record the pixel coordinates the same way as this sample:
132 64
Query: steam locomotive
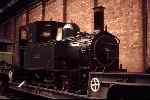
60 54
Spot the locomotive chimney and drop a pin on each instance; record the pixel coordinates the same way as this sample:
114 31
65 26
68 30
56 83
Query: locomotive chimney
99 18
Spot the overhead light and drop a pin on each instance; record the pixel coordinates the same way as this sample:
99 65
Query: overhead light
11 3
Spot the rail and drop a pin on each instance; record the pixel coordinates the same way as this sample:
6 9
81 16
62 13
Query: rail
45 92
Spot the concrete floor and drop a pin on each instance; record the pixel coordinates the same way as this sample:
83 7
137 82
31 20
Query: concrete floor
4 97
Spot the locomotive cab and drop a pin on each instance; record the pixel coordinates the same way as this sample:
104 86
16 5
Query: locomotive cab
32 39
40 31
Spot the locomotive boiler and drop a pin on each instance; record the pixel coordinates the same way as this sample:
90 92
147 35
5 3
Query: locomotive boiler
62 55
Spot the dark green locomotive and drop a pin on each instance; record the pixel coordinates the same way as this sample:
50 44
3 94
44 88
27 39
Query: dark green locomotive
62 55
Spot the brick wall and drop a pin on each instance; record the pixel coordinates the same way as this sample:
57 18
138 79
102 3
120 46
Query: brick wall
79 11
123 18
51 10
35 14
148 36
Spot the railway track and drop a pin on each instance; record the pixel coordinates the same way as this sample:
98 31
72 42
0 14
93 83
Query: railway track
16 90
14 94
44 92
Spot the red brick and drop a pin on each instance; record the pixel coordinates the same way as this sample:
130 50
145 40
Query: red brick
79 11
51 10
123 18
35 14
148 36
